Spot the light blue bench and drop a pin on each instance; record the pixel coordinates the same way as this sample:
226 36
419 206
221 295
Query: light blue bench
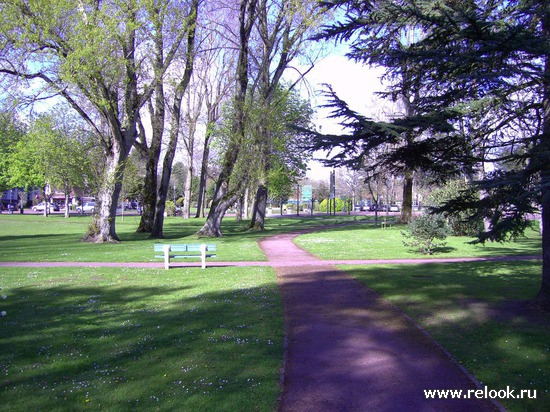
184 251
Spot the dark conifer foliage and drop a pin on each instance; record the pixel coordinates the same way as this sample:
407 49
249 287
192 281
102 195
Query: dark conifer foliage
476 75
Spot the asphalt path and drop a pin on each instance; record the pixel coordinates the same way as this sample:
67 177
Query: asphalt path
349 350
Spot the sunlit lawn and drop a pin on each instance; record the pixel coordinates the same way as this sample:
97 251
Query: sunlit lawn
365 241
121 339
126 339
36 238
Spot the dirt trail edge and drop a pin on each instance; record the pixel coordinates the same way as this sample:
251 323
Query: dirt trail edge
349 350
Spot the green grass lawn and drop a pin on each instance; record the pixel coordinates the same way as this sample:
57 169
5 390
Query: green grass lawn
119 339
187 339
32 237
125 339
365 241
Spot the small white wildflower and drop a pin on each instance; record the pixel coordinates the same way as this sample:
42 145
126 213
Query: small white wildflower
3 313
4 297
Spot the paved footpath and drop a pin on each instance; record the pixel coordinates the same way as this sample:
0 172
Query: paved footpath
349 350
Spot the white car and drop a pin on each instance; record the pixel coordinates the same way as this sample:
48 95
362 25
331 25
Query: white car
88 207
51 207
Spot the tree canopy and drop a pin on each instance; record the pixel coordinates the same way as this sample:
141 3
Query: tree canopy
93 55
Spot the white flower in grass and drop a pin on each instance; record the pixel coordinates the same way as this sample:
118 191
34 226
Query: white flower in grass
4 297
3 313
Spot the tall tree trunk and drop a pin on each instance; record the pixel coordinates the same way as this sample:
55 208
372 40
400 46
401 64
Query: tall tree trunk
157 112
213 224
239 208
223 196
543 295
192 119
151 155
406 208
204 171
104 229
188 190
260 207
246 203
164 186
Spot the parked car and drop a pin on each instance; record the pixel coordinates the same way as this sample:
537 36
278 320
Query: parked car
12 207
51 207
394 208
87 207
380 208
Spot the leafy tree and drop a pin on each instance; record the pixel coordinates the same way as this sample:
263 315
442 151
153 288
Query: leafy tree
285 143
11 132
224 195
460 223
217 76
482 71
284 30
90 54
50 156
281 183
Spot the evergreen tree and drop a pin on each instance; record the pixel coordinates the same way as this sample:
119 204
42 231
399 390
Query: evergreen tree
480 73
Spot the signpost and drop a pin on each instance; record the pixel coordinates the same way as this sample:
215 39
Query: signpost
307 195
332 197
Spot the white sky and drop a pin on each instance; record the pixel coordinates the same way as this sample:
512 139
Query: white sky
354 83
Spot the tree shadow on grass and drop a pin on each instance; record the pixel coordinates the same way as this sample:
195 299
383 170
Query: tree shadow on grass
482 313
105 344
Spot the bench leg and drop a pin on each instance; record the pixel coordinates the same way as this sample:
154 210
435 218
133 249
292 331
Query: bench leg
167 257
203 256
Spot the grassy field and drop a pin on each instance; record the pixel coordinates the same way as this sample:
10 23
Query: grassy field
52 239
122 339
364 241
119 339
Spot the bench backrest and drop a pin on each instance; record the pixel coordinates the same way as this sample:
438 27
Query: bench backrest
159 247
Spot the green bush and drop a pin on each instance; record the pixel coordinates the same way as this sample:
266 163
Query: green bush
460 223
170 208
426 233
323 206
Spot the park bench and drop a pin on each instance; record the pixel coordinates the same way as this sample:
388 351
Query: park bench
184 251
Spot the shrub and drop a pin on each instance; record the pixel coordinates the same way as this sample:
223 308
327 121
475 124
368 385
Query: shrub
426 233
323 206
170 208
460 223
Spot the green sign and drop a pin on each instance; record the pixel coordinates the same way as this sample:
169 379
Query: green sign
307 193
